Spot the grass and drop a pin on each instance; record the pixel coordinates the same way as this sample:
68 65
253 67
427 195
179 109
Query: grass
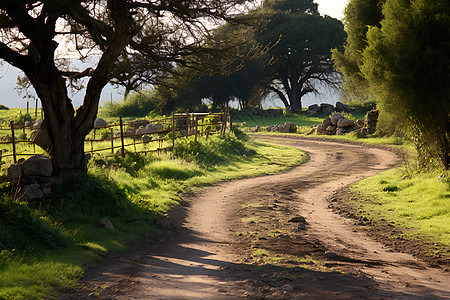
45 246
416 201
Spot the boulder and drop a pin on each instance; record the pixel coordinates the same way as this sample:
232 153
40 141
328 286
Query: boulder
344 123
37 165
326 123
100 123
14 172
341 107
139 123
292 127
41 138
37 124
340 131
32 192
150 128
336 117
320 129
331 129
326 109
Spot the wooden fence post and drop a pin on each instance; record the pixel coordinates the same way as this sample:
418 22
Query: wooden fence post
35 111
112 140
173 130
13 141
121 136
229 117
187 122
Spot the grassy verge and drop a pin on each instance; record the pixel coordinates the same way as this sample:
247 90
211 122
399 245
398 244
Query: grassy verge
45 245
416 202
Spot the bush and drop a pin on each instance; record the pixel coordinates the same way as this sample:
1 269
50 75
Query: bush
2 107
135 105
216 150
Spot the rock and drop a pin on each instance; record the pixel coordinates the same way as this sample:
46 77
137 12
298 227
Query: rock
37 124
100 123
107 224
326 123
326 109
331 130
336 117
37 165
298 219
14 172
301 226
344 123
258 128
139 123
341 107
41 138
320 129
32 192
292 127
47 191
314 107
340 131
146 138
149 128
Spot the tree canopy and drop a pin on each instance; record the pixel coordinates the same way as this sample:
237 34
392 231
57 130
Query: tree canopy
406 64
359 16
297 43
303 40
35 32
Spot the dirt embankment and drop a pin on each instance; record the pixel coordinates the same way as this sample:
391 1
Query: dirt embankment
272 237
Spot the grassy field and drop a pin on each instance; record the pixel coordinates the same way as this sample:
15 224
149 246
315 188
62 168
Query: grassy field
416 201
46 245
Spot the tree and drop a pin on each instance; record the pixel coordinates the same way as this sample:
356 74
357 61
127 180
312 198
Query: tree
407 65
33 32
302 42
359 15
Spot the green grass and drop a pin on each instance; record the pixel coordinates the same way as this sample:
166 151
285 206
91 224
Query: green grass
253 121
419 202
45 246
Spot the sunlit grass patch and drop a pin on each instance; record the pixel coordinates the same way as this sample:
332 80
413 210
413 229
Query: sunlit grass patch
418 201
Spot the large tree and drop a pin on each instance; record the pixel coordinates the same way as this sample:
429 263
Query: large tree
407 65
302 41
34 31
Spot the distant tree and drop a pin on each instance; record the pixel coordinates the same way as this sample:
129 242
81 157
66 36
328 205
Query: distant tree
302 42
35 32
407 65
359 15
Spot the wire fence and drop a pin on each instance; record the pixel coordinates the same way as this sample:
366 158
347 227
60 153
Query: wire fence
118 138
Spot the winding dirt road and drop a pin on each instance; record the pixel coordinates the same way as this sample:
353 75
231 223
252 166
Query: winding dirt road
234 240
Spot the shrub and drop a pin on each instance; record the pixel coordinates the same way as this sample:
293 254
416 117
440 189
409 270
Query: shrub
135 105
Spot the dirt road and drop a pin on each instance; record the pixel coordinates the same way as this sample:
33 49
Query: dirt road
235 240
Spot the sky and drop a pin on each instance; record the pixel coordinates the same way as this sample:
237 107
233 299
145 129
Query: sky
8 74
